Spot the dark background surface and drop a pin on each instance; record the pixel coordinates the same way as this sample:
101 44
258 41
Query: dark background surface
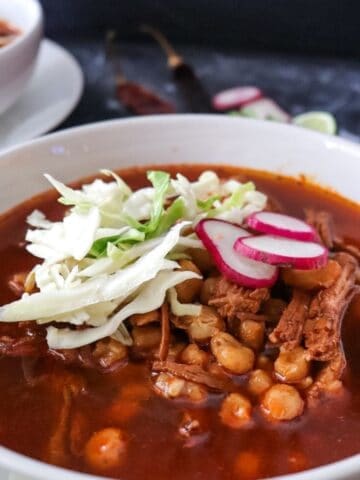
303 53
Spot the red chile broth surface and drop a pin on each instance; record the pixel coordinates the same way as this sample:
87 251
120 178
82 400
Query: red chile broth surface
329 432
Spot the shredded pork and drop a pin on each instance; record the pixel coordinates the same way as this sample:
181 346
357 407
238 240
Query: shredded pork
289 330
323 224
323 326
232 301
192 373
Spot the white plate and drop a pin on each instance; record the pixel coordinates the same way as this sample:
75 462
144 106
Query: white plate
52 93
169 139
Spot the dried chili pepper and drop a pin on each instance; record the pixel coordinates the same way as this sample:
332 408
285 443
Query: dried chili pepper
192 90
137 98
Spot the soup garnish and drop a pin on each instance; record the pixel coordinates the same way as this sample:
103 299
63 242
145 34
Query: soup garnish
195 293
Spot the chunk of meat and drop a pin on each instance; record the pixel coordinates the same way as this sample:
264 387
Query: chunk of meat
67 387
312 279
192 373
78 433
323 224
26 346
329 378
57 452
323 326
288 331
341 245
273 308
105 355
273 205
230 299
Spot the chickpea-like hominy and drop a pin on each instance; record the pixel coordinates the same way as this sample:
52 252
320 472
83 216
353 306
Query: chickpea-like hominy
147 337
202 327
291 366
207 289
252 333
231 354
105 449
193 355
259 382
140 319
264 363
189 290
170 386
109 352
235 410
282 402
247 465
202 259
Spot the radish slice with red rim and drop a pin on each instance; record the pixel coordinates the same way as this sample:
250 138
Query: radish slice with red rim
283 251
219 237
282 225
235 97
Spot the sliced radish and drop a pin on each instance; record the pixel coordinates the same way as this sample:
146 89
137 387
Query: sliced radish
219 237
283 251
266 109
282 225
235 97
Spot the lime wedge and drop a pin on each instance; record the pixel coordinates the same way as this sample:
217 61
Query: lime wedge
322 122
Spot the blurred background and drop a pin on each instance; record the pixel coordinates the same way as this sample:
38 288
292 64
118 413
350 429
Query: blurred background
304 54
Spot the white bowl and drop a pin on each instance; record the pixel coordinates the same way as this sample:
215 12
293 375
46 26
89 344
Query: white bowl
18 58
176 139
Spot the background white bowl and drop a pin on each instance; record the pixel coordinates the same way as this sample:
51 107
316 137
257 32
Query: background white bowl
18 58
176 139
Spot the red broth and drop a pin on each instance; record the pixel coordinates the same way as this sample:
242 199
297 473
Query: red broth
29 414
8 32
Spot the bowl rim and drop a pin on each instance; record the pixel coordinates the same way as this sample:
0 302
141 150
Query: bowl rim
28 466
332 141
23 37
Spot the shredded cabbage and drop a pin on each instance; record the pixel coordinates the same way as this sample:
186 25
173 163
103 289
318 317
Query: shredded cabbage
150 297
119 285
181 309
115 251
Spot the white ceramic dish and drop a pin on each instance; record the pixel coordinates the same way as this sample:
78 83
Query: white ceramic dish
18 58
52 93
176 139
